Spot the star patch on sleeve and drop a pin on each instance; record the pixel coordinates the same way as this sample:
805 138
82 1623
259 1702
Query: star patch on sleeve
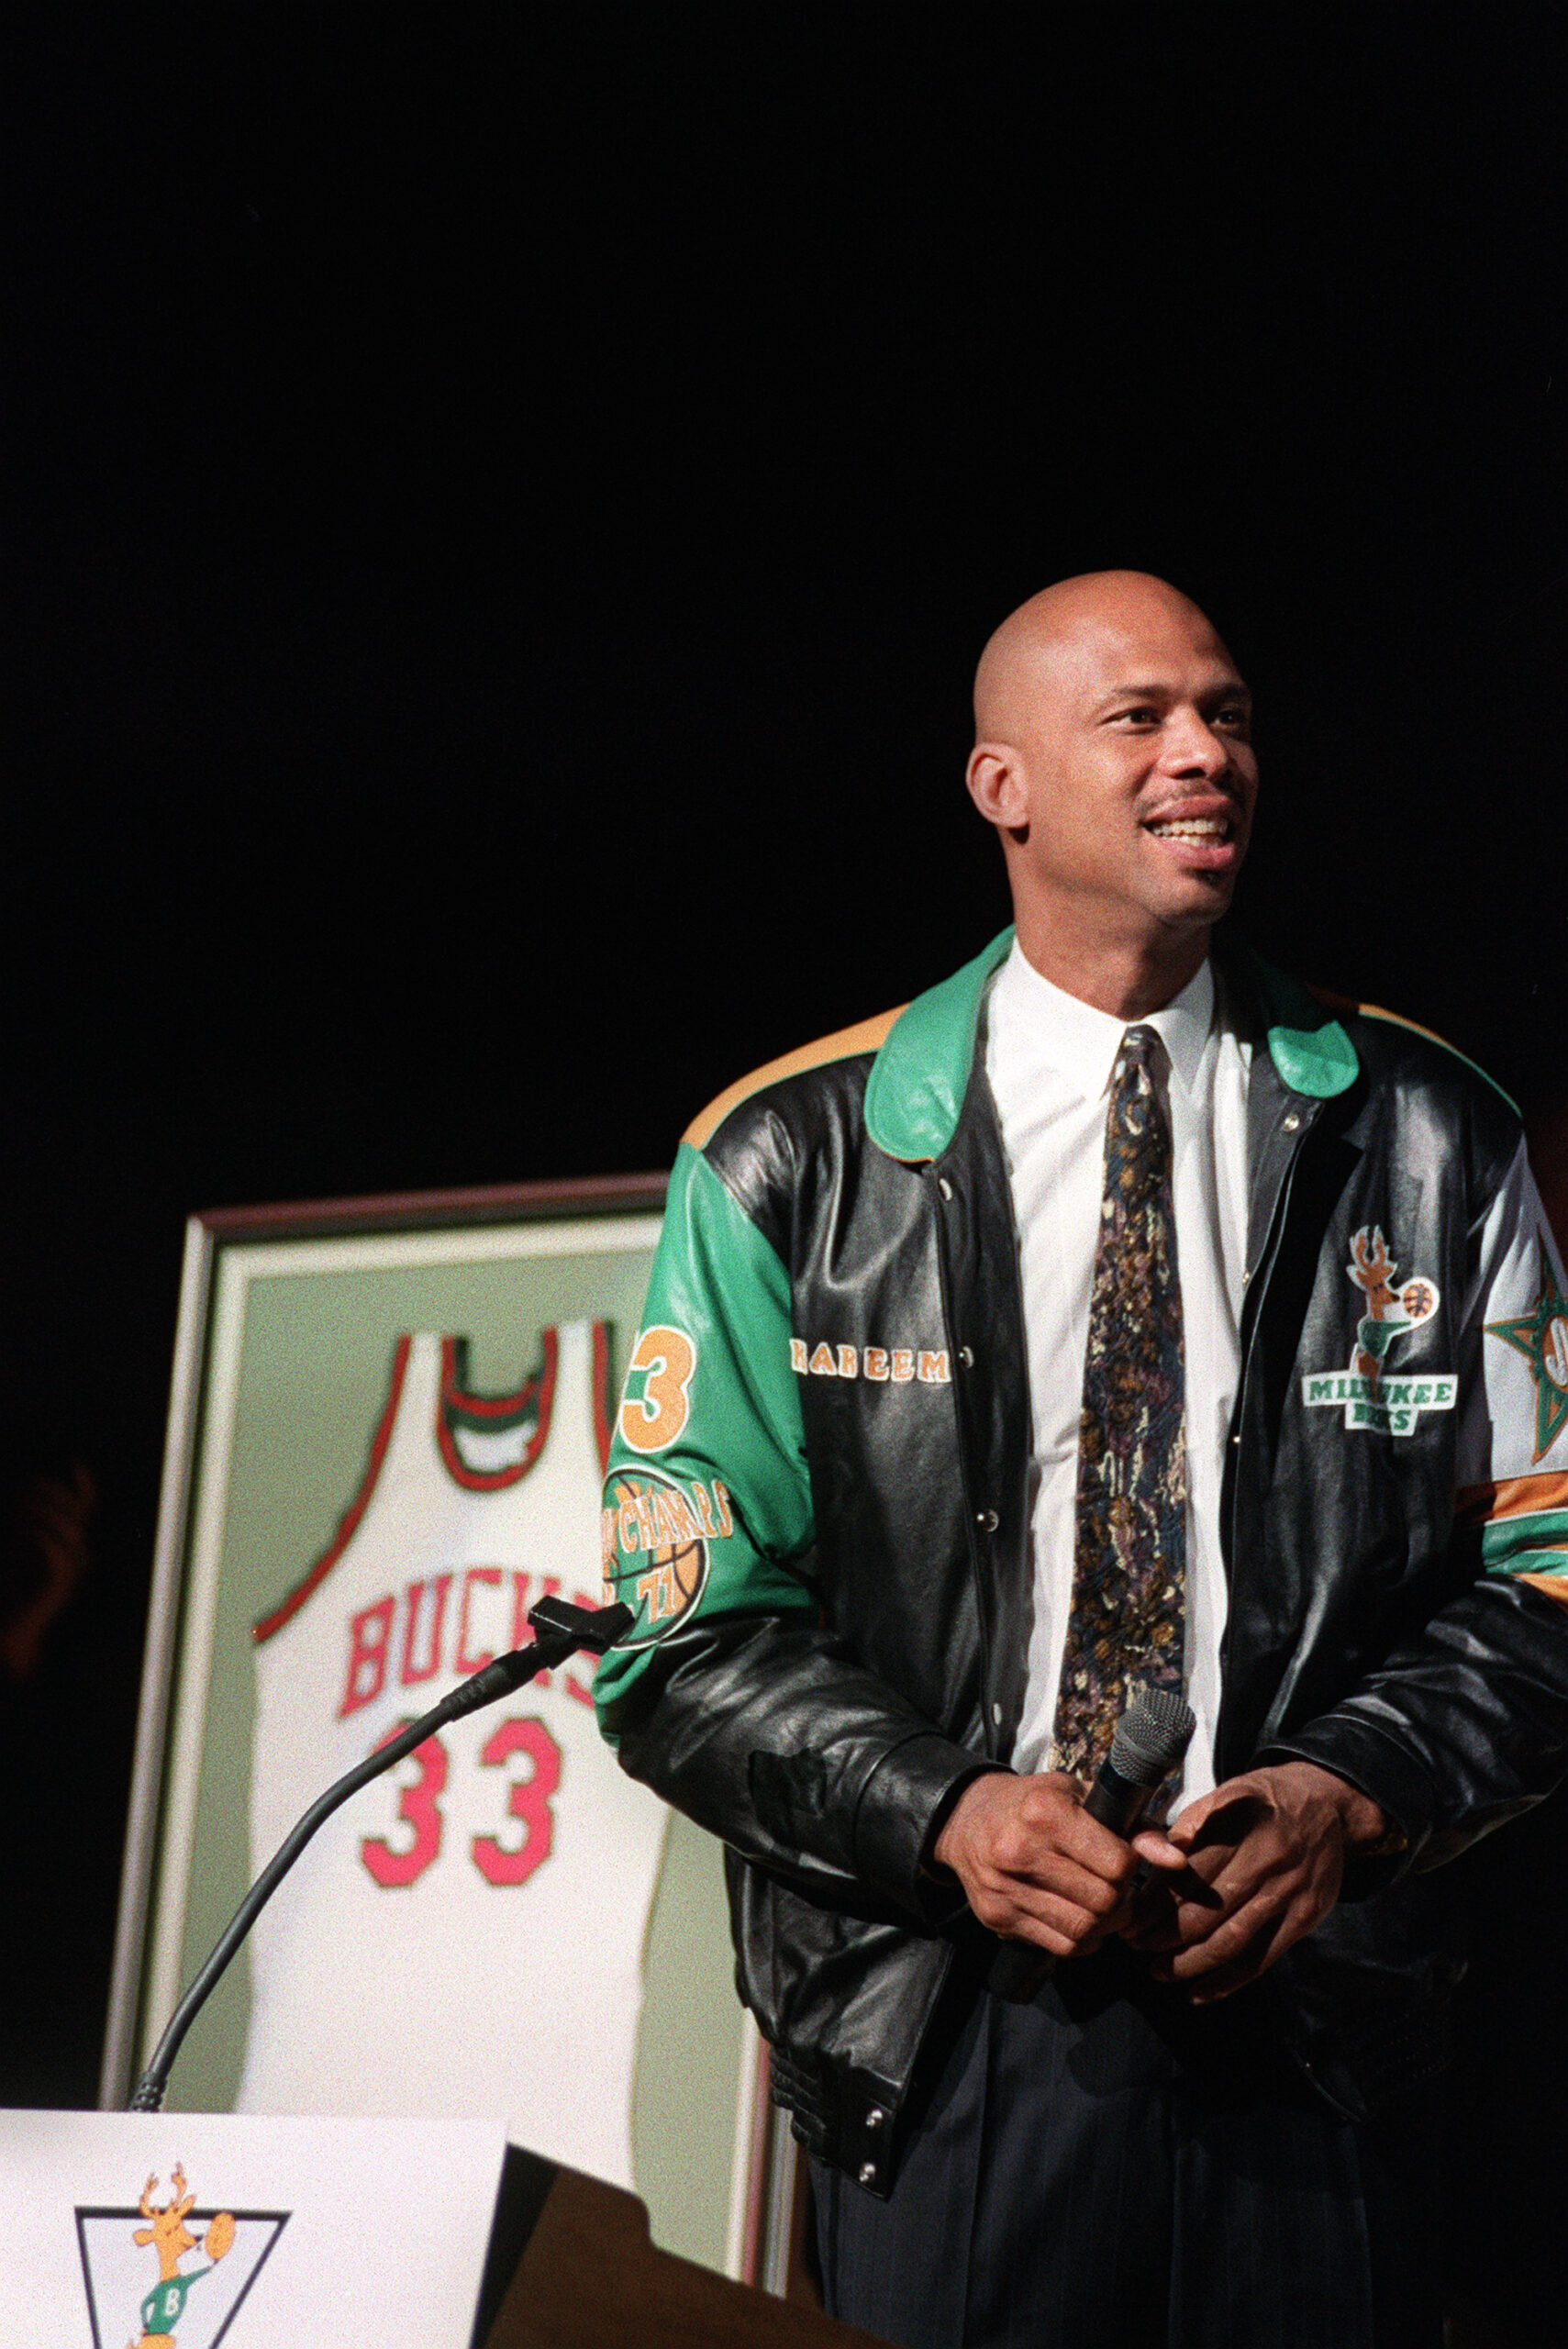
1541 1336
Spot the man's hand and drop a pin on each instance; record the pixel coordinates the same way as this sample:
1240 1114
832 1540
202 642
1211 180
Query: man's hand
1266 1853
1036 1867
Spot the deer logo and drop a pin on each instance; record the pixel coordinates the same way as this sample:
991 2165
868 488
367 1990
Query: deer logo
168 2236
1371 1395
1391 1313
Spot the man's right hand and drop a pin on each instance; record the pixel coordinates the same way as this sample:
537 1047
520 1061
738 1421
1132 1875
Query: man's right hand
1036 1867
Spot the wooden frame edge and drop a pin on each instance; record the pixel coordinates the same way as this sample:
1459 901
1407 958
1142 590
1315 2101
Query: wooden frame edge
157 1666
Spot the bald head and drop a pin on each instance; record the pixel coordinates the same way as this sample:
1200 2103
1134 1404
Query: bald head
1113 754
1037 647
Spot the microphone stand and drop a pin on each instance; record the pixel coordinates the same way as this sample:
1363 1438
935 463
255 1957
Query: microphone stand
560 1631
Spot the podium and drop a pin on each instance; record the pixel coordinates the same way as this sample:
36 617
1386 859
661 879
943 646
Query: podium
588 2276
202 2228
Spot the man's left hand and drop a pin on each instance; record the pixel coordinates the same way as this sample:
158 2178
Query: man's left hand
1266 1853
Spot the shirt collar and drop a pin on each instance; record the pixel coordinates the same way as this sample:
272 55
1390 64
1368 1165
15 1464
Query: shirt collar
1082 1042
1184 1026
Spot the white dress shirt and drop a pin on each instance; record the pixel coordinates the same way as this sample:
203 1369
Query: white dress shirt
1049 1058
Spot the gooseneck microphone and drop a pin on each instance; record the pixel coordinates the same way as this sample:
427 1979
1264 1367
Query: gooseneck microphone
560 1630
1152 1737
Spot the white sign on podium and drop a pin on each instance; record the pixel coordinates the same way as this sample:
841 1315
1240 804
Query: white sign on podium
180 2231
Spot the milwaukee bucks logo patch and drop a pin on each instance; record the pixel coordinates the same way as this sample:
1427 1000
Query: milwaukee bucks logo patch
140 2285
1369 1393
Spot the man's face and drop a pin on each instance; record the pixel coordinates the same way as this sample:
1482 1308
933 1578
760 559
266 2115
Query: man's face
1134 772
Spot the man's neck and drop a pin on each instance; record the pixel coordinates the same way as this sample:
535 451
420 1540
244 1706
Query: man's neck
1127 979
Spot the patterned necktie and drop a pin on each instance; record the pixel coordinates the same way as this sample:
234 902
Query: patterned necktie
1129 1543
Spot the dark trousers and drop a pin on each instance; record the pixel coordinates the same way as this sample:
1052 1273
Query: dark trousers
1110 2168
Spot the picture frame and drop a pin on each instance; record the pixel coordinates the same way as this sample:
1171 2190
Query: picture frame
291 1321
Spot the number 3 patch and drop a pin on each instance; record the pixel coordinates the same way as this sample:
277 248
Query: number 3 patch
665 1359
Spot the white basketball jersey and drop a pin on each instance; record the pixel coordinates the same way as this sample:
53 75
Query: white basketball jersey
466 1936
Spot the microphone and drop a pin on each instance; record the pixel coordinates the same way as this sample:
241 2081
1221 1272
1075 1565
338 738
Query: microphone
1152 1737
560 1630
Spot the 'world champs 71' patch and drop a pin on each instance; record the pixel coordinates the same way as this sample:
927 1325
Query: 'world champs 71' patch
656 1537
1369 1397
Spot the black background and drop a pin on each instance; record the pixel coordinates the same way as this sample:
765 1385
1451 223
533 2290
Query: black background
503 504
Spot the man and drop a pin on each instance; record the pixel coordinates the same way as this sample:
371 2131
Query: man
1004 1356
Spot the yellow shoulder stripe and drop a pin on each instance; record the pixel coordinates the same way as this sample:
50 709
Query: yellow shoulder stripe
1397 1019
866 1036
1376 1011
1554 1586
1511 1496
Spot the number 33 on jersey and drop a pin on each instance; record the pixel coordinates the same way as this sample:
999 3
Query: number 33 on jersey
466 1934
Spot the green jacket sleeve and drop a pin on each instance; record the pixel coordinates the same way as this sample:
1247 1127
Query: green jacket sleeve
729 1696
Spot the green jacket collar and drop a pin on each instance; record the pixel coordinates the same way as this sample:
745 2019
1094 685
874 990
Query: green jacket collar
920 1076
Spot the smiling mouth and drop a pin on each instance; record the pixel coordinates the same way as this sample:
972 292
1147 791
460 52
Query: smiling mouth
1214 828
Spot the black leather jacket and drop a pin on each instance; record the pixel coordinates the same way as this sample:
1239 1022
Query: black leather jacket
817 1505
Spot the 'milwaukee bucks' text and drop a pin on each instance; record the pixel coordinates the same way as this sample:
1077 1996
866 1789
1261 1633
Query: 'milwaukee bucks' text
1389 1406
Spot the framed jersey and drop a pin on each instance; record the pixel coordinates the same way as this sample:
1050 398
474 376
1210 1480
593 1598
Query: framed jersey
387 1430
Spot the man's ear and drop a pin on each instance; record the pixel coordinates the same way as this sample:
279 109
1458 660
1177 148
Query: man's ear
996 786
